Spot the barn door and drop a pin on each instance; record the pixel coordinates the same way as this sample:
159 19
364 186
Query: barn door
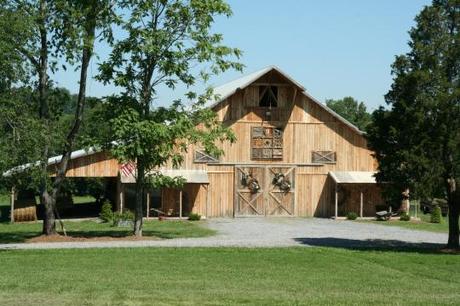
270 199
249 202
280 199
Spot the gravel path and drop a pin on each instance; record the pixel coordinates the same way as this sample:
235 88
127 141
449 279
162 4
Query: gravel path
277 232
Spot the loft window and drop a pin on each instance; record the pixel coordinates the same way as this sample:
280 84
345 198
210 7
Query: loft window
268 96
323 157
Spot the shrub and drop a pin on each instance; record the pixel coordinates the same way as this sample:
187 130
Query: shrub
194 217
106 214
352 215
124 217
436 215
404 216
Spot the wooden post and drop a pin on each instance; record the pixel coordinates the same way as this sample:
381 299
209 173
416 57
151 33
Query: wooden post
12 205
207 199
336 201
180 204
148 205
361 205
122 198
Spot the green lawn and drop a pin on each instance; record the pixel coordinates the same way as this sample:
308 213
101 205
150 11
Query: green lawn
423 225
19 232
149 276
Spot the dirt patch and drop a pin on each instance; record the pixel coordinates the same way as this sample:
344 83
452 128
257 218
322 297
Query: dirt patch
62 238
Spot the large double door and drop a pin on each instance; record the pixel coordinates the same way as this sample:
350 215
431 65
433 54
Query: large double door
265 190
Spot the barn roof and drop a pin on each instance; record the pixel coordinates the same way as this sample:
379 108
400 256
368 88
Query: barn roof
226 90
353 177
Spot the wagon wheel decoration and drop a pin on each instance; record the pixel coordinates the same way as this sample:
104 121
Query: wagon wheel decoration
281 182
250 182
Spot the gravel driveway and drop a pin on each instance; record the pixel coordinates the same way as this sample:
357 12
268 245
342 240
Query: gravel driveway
277 232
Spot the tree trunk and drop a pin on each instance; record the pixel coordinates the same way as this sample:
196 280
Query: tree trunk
46 200
49 224
453 200
138 216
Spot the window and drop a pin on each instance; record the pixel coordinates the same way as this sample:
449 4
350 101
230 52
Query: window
268 96
202 157
266 143
323 157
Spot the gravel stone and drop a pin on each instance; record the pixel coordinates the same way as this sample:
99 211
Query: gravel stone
277 232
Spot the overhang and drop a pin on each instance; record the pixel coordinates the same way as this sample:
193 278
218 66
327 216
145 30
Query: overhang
353 177
191 176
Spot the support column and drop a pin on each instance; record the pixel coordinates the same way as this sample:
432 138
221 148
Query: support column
122 198
361 205
207 199
12 204
336 201
148 205
180 204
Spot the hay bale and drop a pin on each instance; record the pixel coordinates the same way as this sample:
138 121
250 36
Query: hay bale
25 206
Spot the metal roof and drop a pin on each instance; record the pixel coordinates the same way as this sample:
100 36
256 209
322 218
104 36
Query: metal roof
191 176
353 177
226 90
51 161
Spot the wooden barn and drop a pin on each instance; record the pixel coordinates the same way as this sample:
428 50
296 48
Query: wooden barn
293 157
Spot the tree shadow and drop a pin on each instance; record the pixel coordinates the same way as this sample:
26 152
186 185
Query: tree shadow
372 244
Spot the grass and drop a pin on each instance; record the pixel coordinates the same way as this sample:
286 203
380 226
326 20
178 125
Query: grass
19 232
422 225
211 276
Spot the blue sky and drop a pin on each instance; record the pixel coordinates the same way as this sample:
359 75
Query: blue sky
335 48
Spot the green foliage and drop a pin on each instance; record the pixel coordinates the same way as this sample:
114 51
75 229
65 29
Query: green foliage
352 215
436 215
194 217
124 216
416 139
106 214
352 110
404 216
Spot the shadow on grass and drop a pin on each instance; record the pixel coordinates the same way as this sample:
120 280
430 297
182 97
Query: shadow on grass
373 244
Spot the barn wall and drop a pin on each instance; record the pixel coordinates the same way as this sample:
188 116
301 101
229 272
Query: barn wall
94 165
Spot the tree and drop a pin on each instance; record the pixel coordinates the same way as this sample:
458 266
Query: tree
417 140
41 33
162 43
352 110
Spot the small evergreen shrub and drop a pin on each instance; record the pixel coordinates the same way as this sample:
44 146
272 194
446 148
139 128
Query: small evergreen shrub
194 217
352 215
404 216
436 215
106 214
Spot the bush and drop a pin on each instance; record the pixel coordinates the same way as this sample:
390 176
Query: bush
126 217
436 215
106 214
352 215
194 217
404 216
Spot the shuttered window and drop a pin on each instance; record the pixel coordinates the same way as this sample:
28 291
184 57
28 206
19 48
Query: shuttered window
323 157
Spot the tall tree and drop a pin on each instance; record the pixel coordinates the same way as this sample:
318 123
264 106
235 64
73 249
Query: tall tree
162 43
53 31
352 110
417 141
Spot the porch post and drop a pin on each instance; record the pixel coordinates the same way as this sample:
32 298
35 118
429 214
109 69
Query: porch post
12 205
122 198
207 199
336 201
180 204
361 205
148 205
